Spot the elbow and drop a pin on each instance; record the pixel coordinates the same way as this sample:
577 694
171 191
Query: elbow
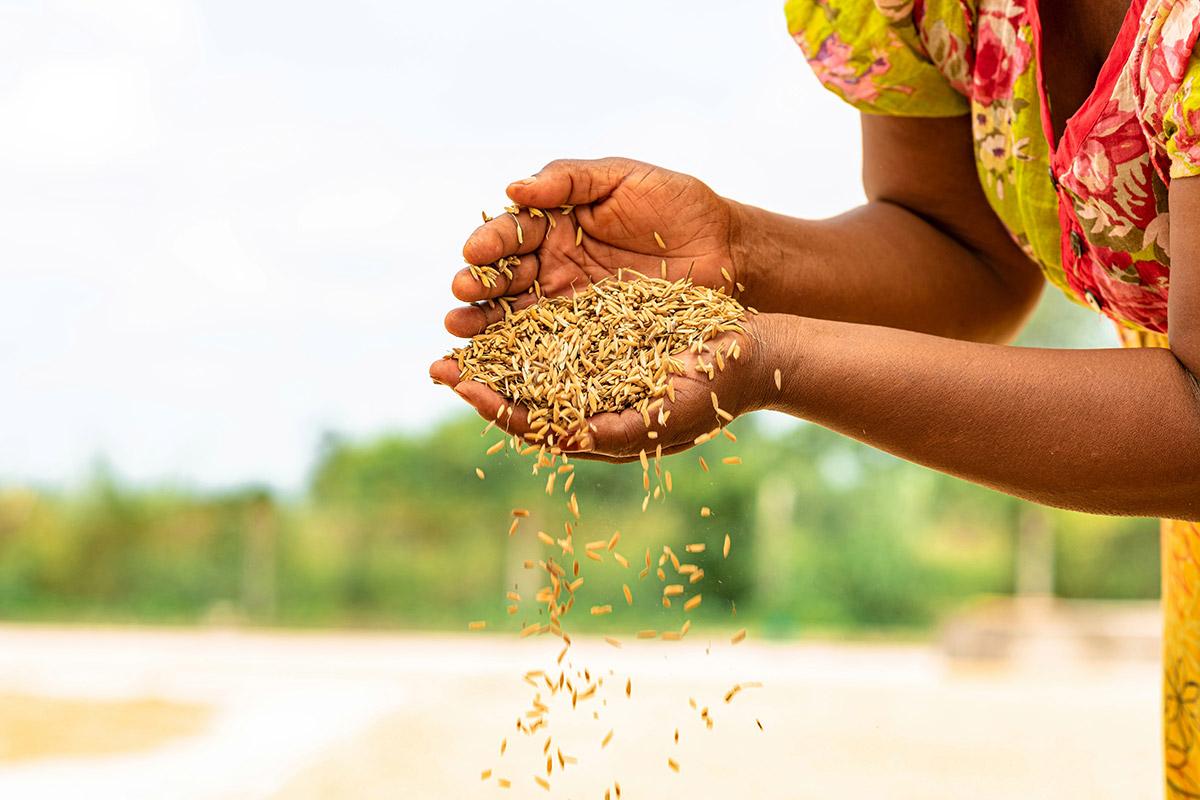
1019 296
1015 295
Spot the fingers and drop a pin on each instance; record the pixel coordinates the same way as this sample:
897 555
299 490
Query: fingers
616 438
467 321
509 417
573 182
445 371
467 287
500 237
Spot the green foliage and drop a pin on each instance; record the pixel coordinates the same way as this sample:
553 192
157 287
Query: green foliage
399 532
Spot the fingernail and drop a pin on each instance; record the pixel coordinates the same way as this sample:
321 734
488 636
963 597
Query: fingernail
527 181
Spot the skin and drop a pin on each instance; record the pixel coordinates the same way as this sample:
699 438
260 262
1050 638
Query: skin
888 323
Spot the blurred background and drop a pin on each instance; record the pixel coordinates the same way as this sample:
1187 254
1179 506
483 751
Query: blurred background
240 532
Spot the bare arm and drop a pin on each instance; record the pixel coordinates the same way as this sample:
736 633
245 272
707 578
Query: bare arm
926 253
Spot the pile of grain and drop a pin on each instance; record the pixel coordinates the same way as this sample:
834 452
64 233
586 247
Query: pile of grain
611 347
614 345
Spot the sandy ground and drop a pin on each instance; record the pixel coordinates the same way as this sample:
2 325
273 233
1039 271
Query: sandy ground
373 716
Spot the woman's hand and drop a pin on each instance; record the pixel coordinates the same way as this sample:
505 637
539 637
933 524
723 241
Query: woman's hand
620 205
744 385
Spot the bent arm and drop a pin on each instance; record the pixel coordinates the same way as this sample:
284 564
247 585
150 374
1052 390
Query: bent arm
926 253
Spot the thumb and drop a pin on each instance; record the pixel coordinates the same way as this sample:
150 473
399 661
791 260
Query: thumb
573 182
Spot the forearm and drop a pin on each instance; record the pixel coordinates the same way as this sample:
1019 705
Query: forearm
879 264
1104 431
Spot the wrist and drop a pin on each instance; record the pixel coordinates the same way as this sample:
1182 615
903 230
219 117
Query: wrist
771 344
743 224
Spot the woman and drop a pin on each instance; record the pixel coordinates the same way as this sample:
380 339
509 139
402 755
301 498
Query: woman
1005 143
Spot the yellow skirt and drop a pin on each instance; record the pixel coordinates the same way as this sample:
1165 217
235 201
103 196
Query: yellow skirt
1181 657
1181 638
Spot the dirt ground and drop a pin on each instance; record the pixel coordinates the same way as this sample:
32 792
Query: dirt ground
42 727
299 716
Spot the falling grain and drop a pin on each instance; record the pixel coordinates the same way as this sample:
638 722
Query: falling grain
660 241
725 549
477 625
738 637
778 380
692 602
479 473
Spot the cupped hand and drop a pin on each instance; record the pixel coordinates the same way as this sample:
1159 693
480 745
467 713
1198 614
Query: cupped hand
619 214
689 418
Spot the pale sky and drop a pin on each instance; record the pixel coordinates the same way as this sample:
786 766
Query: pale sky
229 226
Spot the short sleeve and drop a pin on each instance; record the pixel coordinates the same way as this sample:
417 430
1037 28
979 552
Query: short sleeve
1169 85
1181 125
883 58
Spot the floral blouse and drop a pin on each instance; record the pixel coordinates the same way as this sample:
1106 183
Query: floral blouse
1091 209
